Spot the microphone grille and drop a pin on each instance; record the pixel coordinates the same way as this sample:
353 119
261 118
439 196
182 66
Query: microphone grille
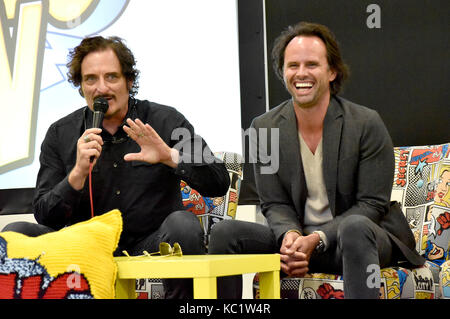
101 104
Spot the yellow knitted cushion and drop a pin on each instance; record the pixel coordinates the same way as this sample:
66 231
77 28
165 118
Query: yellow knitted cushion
75 262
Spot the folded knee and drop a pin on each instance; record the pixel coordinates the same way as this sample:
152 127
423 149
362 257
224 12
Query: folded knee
27 228
354 230
220 237
182 222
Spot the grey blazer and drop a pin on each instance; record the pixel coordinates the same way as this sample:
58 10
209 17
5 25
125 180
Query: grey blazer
358 168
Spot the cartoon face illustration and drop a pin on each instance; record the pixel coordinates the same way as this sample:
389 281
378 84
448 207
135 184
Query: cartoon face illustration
442 188
22 278
434 252
436 229
185 189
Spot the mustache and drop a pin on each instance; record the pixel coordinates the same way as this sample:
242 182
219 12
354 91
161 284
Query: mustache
106 96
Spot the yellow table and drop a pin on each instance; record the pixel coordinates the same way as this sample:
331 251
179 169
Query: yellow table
204 269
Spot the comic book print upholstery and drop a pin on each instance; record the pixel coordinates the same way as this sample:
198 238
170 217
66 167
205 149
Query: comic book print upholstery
73 263
212 210
395 283
444 280
422 186
209 210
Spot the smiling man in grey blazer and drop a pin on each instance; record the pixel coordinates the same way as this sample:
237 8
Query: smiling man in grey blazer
328 204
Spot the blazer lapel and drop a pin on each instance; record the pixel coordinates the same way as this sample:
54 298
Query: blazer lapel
290 154
331 140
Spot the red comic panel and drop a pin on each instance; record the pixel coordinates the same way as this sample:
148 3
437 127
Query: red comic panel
428 155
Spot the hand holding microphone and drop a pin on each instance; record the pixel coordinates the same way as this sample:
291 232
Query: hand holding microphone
89 145
100 108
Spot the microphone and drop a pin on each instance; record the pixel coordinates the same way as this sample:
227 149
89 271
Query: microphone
100 107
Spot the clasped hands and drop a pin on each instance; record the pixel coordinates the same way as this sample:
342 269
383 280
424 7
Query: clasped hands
295 253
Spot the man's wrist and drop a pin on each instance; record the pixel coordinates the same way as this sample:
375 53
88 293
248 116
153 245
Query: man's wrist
321 245
76 179
174 158
293 231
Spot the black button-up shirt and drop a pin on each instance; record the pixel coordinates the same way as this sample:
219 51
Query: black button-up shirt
145 193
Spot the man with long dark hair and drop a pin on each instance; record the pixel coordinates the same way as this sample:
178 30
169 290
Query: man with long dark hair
136 160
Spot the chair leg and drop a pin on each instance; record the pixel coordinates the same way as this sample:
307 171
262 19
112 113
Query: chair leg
269 285
205 288
125 289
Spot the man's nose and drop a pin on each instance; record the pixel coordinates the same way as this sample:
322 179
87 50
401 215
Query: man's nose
102 86
302 71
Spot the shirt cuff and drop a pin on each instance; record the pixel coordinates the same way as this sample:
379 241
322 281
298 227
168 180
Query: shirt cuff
293 231
67 192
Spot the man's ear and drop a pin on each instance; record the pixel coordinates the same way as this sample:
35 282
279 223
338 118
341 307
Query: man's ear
333 75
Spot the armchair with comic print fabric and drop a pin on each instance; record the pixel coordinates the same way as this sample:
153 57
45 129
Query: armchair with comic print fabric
209 210
422 187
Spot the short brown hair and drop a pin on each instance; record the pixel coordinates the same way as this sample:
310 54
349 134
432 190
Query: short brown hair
99 43
334 57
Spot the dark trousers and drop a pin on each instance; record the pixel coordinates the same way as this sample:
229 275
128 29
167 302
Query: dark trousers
180 226
362 247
